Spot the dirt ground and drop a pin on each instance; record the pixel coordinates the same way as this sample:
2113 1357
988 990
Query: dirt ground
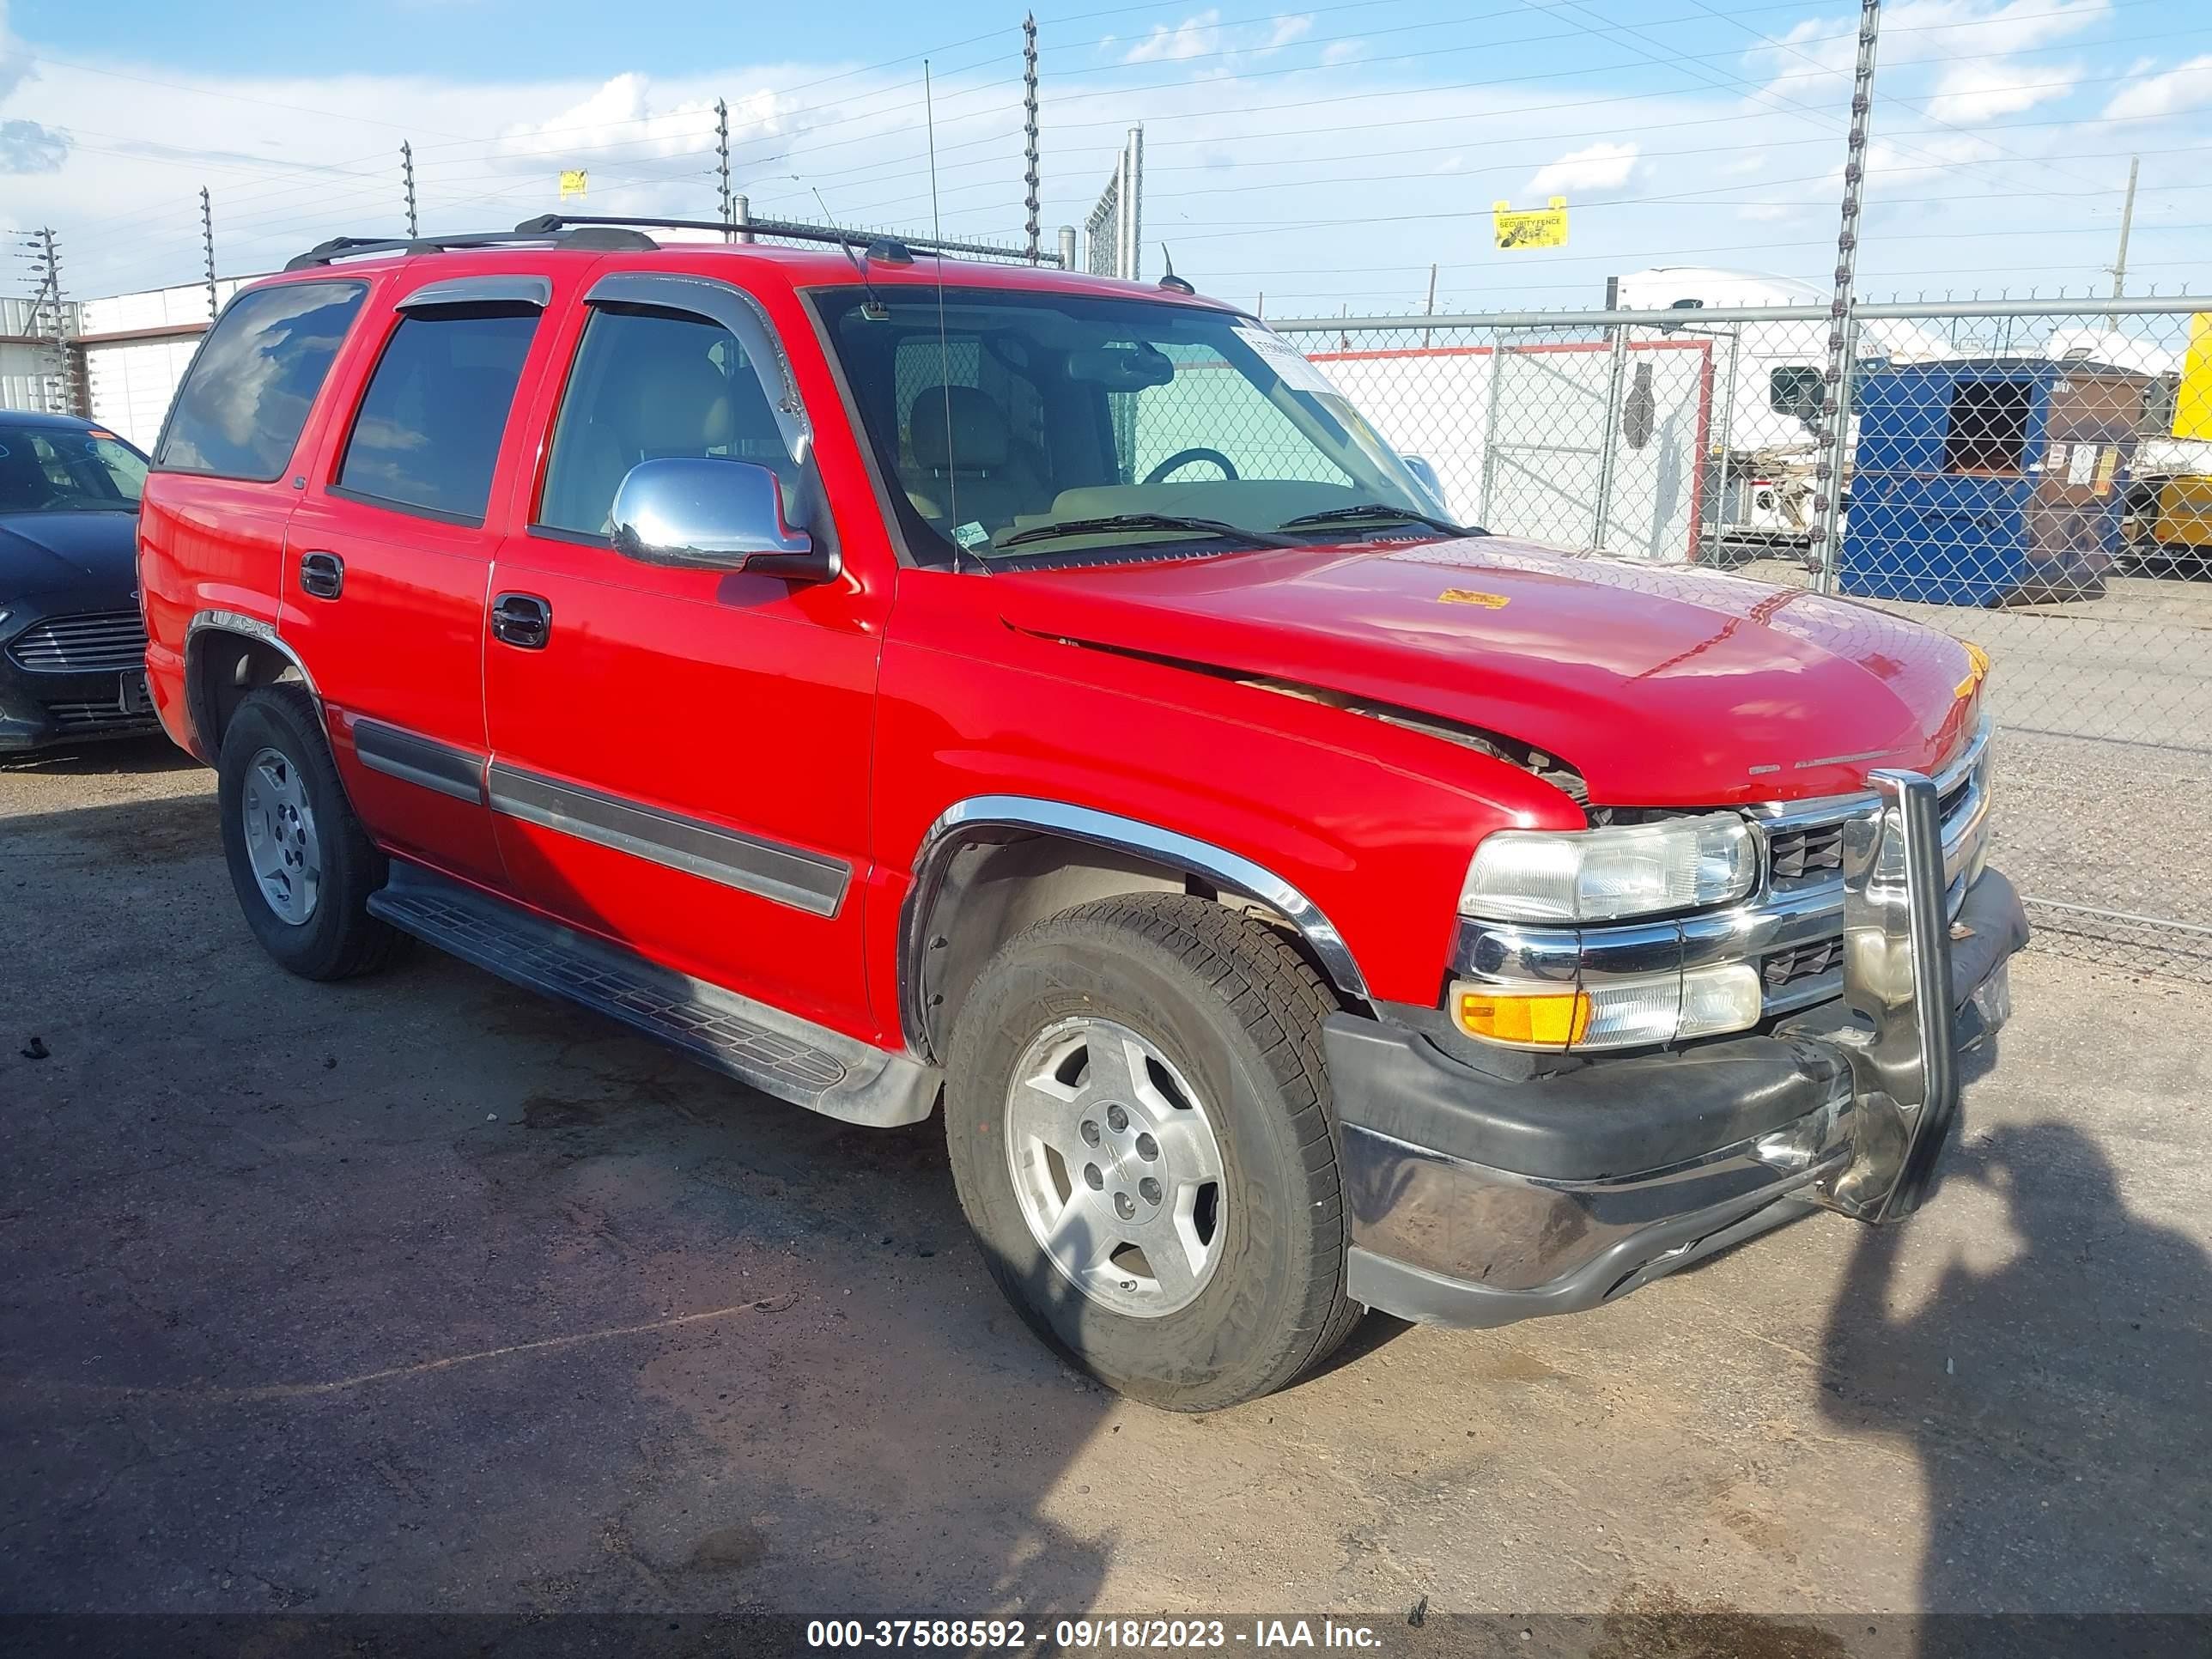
425 1293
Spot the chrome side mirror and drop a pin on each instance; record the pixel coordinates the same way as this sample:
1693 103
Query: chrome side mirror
701 513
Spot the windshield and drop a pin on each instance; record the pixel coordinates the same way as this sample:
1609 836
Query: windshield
64 468
1021 411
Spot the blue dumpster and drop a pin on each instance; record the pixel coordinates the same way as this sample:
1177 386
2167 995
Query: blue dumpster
1986 481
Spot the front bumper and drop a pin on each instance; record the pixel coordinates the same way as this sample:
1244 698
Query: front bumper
1478 1201
45 706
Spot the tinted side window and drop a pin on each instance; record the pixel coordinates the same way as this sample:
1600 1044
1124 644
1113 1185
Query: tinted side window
648 385
240 410
430 423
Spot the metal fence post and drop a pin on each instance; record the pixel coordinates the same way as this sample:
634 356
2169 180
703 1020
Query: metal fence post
1843 323
1835 450
1720 443
1615 379
1490 422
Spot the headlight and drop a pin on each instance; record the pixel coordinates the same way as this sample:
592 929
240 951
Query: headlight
1623 1013
1601 875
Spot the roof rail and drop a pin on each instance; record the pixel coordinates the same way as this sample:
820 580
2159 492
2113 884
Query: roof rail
593 236
892 249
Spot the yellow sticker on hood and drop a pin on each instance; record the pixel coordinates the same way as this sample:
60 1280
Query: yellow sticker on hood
1469 596
1977 661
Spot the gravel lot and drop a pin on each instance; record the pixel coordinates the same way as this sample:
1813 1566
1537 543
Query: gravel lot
424 1293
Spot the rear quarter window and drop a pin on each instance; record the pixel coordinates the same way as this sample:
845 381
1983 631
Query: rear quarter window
242 410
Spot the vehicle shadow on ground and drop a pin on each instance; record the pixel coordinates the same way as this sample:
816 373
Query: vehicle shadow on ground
109 756
423 1293
1993 1371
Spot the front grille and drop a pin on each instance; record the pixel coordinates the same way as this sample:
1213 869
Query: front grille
88 644
1805 864
1814 850
94 716
1784 968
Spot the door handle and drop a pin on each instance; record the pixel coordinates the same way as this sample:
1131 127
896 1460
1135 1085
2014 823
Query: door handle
322 575
522 620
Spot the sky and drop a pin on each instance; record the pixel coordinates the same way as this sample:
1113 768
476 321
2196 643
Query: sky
1318 160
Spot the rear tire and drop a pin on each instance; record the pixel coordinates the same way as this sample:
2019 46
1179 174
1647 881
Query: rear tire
301 862
1110 1059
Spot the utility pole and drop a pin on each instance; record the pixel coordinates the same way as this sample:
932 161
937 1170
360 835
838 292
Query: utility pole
1029 127
50 319
207 241
1430 310
1843 317
407 173
722 155
2127 223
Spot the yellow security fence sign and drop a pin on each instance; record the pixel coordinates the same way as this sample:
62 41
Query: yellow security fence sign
573 182
1544 227
2192 401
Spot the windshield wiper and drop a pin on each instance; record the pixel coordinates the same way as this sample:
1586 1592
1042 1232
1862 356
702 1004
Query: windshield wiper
1380 513
1113 522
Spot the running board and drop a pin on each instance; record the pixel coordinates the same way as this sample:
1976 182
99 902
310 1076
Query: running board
777 1053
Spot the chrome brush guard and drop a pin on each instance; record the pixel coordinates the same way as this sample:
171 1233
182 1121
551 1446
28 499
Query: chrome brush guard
1897 977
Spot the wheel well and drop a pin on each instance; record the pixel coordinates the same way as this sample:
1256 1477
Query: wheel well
994 884
220 669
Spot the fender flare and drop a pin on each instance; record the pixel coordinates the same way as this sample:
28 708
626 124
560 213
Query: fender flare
966 820
198 718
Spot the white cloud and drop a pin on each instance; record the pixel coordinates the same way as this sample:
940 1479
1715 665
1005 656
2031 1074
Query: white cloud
1594 166
24 146
1290 28
621 116
1339 52
1194 37
2185 85
1975 48
1970 93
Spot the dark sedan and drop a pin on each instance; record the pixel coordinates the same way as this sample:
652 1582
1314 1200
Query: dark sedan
72 643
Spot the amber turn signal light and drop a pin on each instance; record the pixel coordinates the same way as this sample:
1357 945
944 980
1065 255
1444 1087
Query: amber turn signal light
1542 1019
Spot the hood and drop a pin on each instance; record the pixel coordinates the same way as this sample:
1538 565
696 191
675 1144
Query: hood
1663 685
51 552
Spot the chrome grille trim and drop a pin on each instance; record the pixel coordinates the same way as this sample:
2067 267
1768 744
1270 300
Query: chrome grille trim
1781 925
92 643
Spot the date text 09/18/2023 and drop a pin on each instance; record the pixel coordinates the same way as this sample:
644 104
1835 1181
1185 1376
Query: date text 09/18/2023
1080 1635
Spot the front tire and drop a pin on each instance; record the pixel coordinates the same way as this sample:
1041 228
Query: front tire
1138 1116
301 863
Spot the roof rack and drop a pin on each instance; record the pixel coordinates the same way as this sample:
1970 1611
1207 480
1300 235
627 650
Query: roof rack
892 250
608 233
602 237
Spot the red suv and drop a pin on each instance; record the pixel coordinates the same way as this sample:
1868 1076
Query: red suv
893 680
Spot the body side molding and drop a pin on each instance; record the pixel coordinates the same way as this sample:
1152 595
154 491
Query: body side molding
788 875
399 753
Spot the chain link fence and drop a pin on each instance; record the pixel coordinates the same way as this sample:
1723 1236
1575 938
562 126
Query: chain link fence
2035 478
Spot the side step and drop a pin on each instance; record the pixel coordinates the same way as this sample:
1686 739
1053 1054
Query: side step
776 1051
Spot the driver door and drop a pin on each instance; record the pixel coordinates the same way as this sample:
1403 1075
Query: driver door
680 757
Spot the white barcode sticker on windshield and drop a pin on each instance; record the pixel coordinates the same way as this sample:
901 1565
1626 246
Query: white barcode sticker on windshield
972 535
1297 370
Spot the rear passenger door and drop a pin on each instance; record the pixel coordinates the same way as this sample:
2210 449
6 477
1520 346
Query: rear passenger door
387 560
